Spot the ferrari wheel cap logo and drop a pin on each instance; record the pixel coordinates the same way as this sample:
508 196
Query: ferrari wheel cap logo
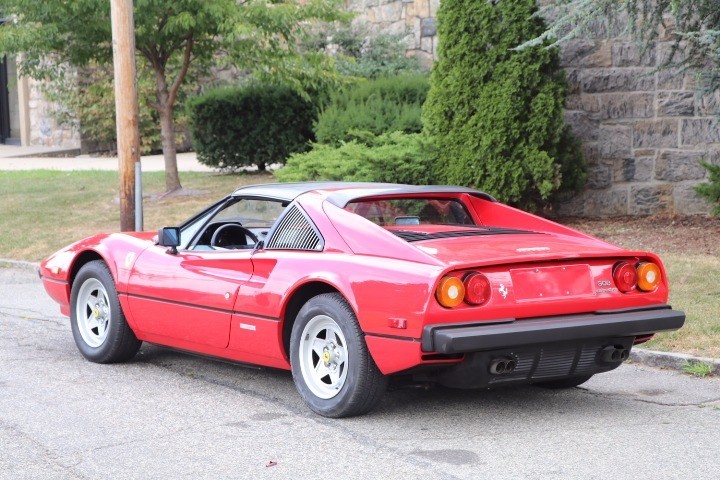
326 356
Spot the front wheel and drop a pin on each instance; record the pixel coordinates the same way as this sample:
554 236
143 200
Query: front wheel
331 365
98 324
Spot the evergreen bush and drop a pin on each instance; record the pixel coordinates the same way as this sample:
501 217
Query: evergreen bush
362 51
396 158
497 113
711 191
250 125
377 106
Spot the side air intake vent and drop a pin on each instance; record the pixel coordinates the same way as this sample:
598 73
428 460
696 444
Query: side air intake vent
295 232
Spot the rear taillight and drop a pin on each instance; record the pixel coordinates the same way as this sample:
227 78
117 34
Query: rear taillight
477 289
450 292
625 277
648 276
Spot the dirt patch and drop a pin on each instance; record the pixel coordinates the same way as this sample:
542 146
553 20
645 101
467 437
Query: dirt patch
660 233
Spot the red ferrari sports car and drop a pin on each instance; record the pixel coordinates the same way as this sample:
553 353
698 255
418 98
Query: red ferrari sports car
346 284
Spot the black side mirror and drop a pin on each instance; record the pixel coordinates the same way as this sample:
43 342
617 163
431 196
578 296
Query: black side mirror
169 237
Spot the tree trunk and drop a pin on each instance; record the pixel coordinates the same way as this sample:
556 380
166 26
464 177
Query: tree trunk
165 110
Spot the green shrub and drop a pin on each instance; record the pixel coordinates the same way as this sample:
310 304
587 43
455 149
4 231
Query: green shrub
711 191
396 158
388 104
497 113
250 125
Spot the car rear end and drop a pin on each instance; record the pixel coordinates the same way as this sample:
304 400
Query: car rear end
520 299
532 322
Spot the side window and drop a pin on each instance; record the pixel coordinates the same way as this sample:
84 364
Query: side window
240 224
187 233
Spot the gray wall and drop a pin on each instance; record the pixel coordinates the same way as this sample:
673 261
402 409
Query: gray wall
643 130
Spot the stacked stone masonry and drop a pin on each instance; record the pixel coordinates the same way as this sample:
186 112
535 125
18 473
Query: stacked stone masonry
44 128
643 129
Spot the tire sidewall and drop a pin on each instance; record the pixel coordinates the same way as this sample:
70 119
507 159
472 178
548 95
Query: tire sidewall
325 306
98 271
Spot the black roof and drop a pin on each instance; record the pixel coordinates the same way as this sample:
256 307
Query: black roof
342 193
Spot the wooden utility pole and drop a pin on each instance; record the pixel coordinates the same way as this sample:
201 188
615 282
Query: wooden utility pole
126 106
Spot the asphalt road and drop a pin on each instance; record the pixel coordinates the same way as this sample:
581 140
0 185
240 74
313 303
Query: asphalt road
170 415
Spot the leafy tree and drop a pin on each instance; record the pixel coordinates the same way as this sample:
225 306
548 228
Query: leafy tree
496 113
261 36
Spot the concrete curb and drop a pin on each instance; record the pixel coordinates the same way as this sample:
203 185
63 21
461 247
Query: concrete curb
652 358
19 264
674 361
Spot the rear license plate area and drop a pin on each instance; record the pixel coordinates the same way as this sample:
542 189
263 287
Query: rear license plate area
551 283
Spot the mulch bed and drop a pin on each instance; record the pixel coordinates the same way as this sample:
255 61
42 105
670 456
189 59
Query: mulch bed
691 234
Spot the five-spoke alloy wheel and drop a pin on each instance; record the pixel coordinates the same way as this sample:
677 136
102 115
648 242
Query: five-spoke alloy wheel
92 312
98 324
323 356
331 365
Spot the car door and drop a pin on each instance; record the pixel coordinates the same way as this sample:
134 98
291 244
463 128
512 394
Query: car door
186 299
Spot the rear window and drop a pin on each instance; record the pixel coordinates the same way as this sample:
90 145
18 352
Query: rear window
412 211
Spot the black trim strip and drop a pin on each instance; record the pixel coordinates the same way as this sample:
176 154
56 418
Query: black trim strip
393 337
204 307
54 280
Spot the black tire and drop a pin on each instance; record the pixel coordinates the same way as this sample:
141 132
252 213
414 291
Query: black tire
564 382
364 384
120 344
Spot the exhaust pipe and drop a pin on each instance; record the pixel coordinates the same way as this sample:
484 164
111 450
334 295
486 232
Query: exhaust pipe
611 354
502 366
510 366
498 367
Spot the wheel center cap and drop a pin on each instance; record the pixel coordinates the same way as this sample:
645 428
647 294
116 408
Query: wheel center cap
96 312
326 356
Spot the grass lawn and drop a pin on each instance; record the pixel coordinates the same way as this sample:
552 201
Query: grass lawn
694 288
43 211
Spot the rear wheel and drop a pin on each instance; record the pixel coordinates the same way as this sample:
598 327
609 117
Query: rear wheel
564 382
98 324
331 365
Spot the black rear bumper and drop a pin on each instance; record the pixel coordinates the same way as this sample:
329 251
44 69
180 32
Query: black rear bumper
483 336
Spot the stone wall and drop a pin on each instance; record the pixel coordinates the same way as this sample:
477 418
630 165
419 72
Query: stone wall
643 130
44 129
416 18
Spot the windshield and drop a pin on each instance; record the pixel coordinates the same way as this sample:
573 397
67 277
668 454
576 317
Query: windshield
412 211
252 213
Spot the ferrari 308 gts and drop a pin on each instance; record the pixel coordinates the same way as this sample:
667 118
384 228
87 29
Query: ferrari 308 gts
347 284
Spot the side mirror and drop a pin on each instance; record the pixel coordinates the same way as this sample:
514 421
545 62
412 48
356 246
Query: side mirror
169 237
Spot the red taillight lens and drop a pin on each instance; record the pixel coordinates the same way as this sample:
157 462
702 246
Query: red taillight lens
477 289
625 277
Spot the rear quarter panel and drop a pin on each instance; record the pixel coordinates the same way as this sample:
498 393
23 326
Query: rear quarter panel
377 289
